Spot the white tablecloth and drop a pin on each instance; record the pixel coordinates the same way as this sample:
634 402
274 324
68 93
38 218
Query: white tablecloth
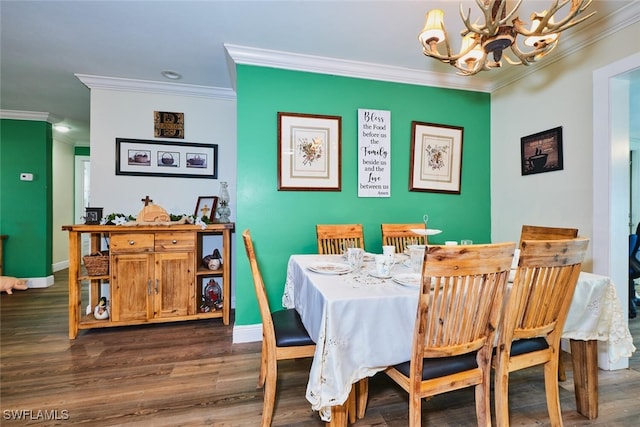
362 324
596 314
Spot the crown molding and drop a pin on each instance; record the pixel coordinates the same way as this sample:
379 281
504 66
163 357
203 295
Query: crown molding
346 68
570 43
148 86
36 116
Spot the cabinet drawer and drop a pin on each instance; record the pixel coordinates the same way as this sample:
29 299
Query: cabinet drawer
131 242
175 241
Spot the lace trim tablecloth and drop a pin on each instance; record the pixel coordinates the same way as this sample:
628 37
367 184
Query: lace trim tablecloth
335 308
596 314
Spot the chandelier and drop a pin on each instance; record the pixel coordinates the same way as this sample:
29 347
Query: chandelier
483 44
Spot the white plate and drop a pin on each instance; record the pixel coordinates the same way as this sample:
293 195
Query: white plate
407 279
329 268
374 274
426 232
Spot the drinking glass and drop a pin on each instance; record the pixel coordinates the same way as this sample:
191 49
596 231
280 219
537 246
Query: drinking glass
355 257
466 242
417 258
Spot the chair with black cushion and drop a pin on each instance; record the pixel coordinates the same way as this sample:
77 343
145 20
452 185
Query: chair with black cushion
334 239
283 336
534 317
537 232
400 235
459 307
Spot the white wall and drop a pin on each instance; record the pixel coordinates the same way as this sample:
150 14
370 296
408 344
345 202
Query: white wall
123 113
62 189
564 198
543 100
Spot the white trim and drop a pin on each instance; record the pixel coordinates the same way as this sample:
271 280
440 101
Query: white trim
39 282
341 67
36 116
484 82
247 333
148 86
58 266
610 183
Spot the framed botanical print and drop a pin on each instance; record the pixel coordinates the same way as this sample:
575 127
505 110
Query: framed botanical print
309 152
436 158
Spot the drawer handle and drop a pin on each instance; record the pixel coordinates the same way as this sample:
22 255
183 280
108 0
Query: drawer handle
132 242
174 241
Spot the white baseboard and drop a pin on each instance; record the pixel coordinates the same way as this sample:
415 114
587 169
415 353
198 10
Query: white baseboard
39 282
60 265
247 333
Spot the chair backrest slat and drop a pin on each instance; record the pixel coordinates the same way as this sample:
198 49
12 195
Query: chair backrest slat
400 235
268 331
543 287
336 238
461 298
537 232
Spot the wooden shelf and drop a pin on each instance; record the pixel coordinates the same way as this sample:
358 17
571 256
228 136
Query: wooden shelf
141 258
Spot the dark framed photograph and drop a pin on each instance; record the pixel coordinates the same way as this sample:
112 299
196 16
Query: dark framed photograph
206 207
541 152
92 216
436 158
309 152
163 158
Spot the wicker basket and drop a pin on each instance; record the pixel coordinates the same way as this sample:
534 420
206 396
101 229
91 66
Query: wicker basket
97 264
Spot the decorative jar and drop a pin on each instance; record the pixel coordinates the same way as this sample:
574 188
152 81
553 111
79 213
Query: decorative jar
223 209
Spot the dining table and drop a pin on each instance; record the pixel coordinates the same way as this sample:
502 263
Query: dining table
362 323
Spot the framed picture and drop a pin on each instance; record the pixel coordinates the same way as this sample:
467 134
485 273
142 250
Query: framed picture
309 152
436 158
541 152
162 158
206 207
93 215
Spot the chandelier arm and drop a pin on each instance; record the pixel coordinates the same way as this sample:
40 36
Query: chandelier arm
545 27
527 58
491 23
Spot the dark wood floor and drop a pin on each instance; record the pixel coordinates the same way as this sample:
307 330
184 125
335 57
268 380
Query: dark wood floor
190 374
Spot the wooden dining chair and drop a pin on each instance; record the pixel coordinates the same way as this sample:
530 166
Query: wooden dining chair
534 317
283 336
336 238
400 235
538 232
459 308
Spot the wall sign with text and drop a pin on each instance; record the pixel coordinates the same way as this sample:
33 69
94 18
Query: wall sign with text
374 153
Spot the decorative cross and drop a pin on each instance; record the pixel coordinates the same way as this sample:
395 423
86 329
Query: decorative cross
205 210
146 200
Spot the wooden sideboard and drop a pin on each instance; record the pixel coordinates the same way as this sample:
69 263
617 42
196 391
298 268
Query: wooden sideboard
155 274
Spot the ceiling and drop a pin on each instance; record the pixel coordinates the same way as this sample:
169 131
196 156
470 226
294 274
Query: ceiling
45 44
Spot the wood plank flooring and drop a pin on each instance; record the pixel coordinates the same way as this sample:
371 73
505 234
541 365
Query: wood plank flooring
190 374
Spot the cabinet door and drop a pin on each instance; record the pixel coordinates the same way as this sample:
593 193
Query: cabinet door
173 290
131 285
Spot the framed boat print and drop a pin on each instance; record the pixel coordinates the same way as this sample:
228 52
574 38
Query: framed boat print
436 158
309 152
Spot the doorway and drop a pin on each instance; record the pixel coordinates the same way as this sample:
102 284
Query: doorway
611 205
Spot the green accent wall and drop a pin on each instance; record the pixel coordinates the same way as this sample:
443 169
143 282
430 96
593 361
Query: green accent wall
81 151
26 206
283 222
